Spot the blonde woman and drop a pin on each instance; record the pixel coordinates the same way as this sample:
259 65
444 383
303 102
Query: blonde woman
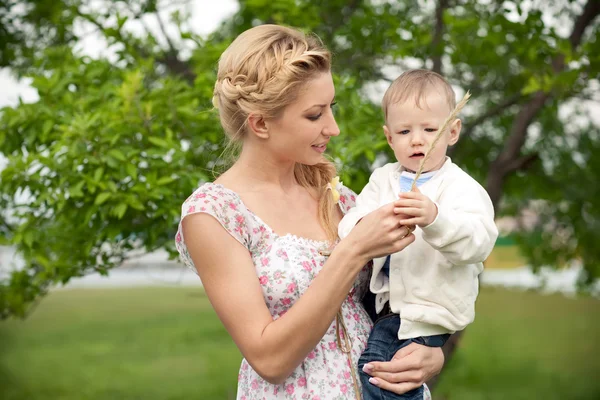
263 236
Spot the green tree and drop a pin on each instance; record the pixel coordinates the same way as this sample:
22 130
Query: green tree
100 164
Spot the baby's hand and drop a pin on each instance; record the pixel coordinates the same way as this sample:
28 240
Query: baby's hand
420 210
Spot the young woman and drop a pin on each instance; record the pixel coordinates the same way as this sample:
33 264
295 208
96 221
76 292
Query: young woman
263 236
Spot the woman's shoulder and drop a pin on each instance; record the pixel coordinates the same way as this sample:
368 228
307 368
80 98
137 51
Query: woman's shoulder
222 204
210 197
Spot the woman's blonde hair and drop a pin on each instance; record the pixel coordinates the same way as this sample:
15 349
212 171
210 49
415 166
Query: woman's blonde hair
262 72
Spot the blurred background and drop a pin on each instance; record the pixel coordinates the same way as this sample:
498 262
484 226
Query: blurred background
106 127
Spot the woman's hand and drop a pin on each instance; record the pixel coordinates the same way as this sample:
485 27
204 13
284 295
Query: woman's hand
410 368
380 233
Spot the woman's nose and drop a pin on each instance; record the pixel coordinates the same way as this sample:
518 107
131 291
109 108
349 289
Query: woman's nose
331 129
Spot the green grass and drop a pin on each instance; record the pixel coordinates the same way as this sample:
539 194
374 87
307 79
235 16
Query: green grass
525 345
166 343
118 344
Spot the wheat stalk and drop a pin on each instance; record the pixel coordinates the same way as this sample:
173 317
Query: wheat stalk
441 131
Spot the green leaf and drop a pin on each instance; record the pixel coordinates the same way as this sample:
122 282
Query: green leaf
119 210
131 171
76 190
28 238
111 186
102 197
117 154
158 142
98 174
135 203
165 180
533 85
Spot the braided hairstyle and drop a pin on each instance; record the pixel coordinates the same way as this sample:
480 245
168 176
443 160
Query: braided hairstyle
262 72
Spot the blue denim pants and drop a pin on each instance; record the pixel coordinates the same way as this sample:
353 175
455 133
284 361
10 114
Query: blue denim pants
382 345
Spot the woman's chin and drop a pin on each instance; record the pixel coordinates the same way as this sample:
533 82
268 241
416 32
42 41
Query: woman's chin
314 160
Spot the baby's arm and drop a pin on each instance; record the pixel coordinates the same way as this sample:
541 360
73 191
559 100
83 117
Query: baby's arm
366 201
464 229
461 226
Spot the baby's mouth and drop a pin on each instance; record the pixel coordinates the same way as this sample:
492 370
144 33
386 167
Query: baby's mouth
417 155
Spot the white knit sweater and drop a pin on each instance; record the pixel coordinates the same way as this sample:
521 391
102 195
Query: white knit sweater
433 283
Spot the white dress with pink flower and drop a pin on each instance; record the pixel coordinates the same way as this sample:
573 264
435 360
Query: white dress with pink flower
285 267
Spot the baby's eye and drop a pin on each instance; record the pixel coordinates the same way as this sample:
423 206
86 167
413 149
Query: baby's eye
404 132
430 129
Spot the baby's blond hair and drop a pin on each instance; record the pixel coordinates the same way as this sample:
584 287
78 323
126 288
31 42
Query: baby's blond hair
417 83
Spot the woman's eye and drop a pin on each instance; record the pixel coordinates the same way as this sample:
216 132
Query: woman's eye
314 117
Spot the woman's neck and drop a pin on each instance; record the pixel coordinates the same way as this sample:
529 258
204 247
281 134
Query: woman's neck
260 168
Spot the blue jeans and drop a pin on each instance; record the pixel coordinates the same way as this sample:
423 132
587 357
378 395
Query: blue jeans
382 345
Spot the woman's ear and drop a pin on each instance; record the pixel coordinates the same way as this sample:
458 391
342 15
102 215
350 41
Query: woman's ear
455 131
258 126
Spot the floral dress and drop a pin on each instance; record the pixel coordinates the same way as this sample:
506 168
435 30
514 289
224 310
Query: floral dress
285 267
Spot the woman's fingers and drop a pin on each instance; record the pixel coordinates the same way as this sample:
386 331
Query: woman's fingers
412 221
414 376
396 365
398 388
403 242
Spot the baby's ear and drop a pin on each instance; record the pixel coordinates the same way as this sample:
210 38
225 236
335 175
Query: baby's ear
455 131
388 135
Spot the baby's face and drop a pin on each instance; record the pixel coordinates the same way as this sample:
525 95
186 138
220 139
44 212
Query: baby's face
410 131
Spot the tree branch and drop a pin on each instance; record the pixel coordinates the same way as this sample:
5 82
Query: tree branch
523 163
590 12
437 49
518 135
172 48
349 9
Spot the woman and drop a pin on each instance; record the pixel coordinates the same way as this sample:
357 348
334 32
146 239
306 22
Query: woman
263 237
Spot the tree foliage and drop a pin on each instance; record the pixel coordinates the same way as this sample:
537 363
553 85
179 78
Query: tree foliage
101 163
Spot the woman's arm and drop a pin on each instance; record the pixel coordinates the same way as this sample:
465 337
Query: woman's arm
276 348
410 368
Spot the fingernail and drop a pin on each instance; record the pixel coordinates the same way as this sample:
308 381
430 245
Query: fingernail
368 368
373 381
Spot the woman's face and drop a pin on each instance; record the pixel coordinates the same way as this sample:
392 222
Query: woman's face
301 133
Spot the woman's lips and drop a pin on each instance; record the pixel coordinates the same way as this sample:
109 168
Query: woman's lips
320 148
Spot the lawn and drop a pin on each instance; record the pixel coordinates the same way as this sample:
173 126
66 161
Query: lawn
166 343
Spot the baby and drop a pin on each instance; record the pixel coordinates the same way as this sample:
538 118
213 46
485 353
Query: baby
427 291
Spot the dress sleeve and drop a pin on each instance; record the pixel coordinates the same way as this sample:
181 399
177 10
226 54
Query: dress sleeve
223 205
347 198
